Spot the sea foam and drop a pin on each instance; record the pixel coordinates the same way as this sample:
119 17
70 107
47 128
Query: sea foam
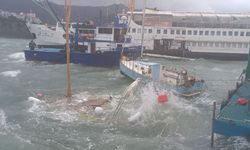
18 56
12 74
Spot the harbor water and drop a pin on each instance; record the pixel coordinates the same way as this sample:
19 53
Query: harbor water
180 124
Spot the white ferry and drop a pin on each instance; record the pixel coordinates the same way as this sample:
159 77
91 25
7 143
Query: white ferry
223 36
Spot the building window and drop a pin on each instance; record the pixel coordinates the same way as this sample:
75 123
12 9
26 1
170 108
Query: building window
218 33
189 32
172 31
133 30
199 44
239 45
222 44
158 31
178 32
205 44
224 33
194 44
145 30
195 32
248 34
188 43
245 45
212 32
200 32
234 45
165 31
211 44
242 33
150 30
206 32
228 45
183 32
216 44
236 33
230 33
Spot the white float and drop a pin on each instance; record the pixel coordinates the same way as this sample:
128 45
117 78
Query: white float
99 110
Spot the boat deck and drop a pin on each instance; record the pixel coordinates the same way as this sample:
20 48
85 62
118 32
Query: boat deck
46 49
234 118
146 63
234 111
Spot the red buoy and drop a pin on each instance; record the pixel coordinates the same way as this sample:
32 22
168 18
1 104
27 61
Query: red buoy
162 98
242 101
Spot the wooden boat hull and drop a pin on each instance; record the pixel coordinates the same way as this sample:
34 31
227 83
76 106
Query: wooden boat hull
231 128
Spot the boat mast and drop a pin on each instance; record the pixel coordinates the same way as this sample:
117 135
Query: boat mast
143 21
67 19
248 66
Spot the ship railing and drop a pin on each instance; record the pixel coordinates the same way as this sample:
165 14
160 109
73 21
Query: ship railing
234 120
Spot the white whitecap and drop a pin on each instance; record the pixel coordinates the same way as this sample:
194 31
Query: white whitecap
3 124
64 116
19 56
217 69
10 73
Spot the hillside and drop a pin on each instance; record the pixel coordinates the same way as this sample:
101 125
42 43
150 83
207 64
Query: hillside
80 13
13 28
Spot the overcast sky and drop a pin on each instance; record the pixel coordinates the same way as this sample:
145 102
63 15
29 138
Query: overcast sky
176 5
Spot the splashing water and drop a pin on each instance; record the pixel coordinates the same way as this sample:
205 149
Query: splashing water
12 74
3 124
17 56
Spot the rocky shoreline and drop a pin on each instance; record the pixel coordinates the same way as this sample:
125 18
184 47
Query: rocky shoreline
12 27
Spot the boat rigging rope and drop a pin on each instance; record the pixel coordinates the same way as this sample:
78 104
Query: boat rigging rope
45 5
125 95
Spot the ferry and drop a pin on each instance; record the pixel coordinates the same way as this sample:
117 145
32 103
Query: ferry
223 36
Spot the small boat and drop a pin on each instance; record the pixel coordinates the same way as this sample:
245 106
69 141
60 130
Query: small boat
182 83
85 54
234 116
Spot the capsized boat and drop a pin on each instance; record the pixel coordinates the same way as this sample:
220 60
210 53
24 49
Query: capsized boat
234 116
182 83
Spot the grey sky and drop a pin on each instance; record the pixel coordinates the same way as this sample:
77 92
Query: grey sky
177 5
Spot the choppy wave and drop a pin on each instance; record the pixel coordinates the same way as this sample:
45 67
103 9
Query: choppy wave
17 56
12 74
217 69
3 124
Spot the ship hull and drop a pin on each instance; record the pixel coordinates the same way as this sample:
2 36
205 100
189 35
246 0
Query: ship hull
105 58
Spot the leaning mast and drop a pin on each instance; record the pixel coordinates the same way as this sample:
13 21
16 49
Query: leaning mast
67 19
143 22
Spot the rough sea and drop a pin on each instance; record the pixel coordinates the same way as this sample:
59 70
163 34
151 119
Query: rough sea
54 124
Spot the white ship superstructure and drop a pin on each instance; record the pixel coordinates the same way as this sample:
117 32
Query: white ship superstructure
195 31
